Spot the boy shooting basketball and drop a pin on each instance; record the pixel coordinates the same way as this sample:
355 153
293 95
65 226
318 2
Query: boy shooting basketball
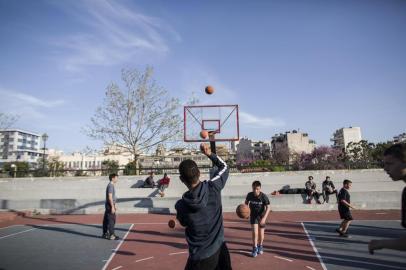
200 211
259 209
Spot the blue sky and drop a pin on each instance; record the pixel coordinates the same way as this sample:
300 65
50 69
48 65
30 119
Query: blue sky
309 65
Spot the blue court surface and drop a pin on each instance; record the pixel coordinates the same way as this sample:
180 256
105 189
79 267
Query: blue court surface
338 253
63 246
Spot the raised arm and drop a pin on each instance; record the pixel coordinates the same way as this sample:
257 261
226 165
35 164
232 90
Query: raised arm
220 176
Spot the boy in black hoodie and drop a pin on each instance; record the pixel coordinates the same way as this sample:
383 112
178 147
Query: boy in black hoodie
200 212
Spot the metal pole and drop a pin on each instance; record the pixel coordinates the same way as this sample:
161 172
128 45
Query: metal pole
43 158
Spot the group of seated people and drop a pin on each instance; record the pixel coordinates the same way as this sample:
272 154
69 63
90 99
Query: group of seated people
328 188
161 184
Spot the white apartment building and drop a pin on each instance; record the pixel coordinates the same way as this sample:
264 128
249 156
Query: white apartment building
20 145
343 136
248 150
401 138
291 142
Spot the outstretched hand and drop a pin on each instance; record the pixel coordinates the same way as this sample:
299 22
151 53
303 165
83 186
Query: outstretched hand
205 148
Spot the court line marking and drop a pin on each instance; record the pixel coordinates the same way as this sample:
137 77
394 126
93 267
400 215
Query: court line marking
339 220
311 268
282 258
140 260
17 233
118 267
314 247
11 226
117 248
176 253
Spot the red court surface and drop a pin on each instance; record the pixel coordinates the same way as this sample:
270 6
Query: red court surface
151 244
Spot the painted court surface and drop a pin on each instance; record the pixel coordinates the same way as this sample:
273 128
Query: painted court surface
294 240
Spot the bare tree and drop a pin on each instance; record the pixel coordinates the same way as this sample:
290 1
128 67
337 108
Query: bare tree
137 118
6 120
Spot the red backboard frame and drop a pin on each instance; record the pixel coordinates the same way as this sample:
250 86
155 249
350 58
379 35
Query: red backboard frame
234 108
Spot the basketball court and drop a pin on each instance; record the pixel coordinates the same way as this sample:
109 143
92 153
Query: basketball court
294 240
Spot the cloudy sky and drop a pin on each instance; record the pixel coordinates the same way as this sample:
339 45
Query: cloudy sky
315 66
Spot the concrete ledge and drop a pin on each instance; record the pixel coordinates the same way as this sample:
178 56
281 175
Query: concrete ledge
286 202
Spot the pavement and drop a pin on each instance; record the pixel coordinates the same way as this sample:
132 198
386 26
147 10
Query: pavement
294 240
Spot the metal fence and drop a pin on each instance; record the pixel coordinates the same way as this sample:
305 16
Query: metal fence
162 170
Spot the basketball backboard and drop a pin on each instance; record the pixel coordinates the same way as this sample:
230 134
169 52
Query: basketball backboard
220 119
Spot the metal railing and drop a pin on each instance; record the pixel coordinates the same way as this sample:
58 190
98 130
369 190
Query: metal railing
162 170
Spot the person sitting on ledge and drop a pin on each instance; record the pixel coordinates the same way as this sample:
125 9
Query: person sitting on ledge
149 182
311 191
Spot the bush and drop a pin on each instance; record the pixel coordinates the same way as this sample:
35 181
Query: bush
22 168
129 169
278 168
109 166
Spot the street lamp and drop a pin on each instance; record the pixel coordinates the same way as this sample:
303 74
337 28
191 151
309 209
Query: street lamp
44 139
14 167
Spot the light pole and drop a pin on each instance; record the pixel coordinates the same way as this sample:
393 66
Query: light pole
14 167
44 139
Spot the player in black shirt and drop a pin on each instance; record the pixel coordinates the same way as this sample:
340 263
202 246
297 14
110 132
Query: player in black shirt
395 165
259 210
344 206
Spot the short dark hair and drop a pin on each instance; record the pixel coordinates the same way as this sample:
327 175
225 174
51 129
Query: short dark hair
327 177
189 171
256 183
397 150
346 182
310 177
112 175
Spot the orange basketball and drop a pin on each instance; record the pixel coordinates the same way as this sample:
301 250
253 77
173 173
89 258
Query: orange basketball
243 211
204 134
171 223
209 90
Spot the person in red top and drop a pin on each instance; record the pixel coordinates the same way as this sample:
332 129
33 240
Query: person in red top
163 184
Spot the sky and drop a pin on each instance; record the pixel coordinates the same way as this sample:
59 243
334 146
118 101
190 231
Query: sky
313 66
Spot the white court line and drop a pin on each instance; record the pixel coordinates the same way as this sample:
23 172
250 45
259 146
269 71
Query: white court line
311 268
176 253
166 223
140 260
314 247
11 226
282 258
17 233
339 221
118 267
118 247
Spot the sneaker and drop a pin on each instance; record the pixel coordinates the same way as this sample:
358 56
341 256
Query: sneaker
105 236
339 232
254 252
260 249
346 235
114 237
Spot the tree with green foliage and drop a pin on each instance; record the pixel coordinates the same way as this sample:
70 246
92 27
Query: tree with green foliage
360 154
21 168
129 169
109 166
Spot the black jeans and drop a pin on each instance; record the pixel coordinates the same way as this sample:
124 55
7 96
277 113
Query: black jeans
218 261
326 195
109 221
312 193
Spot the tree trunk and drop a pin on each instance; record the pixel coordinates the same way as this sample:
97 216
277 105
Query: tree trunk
136 164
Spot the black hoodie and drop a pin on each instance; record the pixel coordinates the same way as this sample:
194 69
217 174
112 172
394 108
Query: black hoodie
200 211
